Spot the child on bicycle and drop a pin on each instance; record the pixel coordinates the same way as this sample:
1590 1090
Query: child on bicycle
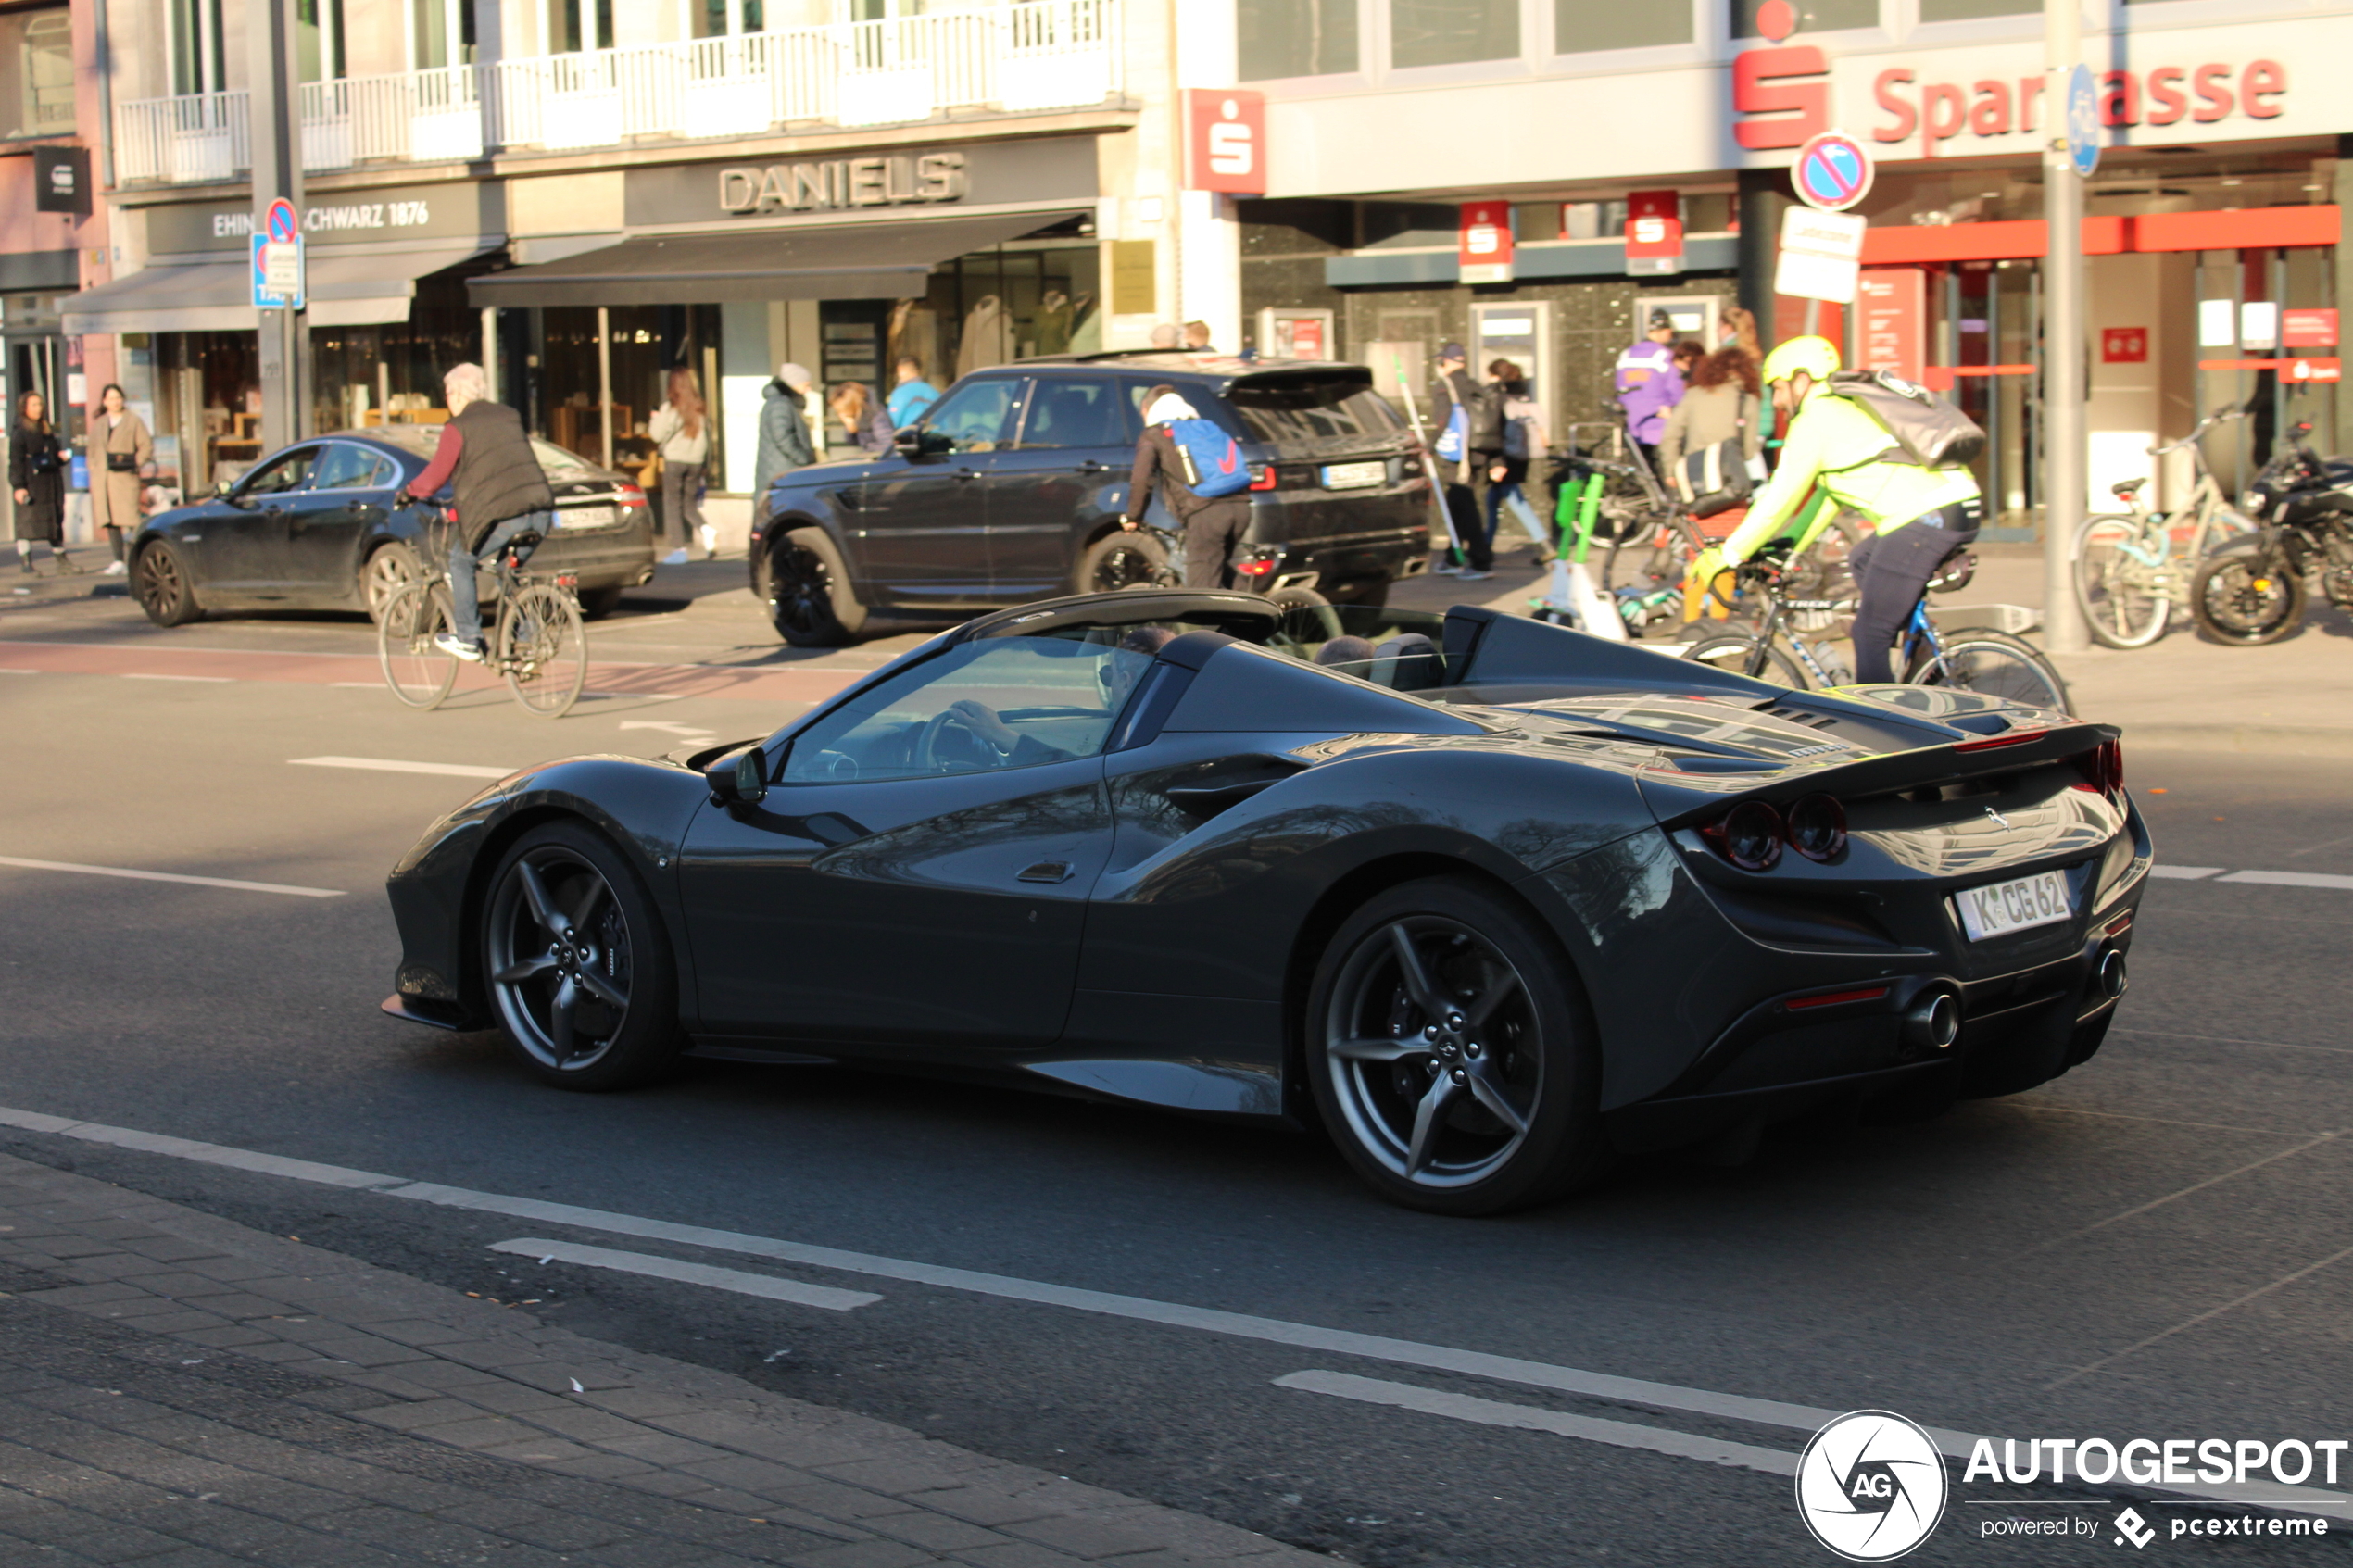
1836 455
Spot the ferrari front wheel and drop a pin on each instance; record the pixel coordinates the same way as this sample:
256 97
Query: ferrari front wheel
577 963
1449 1054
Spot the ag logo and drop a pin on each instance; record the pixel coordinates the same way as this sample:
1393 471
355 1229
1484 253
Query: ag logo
1871 1486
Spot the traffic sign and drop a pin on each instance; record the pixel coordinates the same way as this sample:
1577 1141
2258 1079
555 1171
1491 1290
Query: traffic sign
280 277
2082 121
1832 171
281 224
1821 254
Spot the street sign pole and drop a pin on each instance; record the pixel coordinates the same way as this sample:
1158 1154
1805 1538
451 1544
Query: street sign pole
2071 151
275 136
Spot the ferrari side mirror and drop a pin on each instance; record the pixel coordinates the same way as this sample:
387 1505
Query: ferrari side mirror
738 779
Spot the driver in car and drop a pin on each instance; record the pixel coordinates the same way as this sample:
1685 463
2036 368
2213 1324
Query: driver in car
1115 677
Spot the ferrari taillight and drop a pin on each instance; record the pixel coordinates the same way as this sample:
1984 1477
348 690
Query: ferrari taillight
1749 836
2103 767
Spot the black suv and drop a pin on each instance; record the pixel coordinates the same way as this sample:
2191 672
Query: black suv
1011 488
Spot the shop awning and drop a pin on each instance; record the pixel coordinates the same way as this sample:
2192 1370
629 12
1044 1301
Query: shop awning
348 288
832 261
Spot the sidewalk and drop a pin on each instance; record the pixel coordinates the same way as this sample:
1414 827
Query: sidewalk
46 585
180 1389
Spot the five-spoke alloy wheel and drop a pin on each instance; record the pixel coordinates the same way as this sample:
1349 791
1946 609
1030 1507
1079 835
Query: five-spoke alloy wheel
577 966
1449 1054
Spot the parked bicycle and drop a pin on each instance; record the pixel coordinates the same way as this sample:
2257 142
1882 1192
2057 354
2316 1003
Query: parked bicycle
1975 658
538 640
2254 591
2133 570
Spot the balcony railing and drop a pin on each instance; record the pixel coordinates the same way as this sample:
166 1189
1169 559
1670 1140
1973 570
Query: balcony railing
1016 56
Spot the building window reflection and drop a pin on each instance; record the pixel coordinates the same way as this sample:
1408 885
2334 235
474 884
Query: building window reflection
1452 32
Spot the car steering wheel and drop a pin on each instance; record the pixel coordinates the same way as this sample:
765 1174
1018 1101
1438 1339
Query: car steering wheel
924 752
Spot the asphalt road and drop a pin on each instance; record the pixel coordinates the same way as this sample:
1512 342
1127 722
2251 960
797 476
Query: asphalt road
2158 1245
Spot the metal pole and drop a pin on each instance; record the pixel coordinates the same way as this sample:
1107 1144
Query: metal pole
2063 366
490 350
604 375
273 132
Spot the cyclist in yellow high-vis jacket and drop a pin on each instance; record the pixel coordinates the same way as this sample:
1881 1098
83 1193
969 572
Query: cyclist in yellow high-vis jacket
1833 457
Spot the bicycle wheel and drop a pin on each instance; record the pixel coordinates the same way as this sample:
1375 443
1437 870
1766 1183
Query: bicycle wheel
2123 601
1992 664
419 673
1748 656
542 649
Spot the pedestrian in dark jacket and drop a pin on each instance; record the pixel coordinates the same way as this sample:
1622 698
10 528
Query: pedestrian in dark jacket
37 480
784 435
1213 526
1465 478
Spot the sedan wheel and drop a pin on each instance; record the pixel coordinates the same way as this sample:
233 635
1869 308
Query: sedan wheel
1449 1056
160 583
577 966
390 570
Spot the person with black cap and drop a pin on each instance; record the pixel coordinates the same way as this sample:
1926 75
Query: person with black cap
1649 385
1471 444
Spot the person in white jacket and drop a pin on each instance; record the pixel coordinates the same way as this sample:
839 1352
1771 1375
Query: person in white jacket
681 432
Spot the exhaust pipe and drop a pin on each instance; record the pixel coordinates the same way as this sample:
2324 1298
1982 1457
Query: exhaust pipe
2111 974
1934 1021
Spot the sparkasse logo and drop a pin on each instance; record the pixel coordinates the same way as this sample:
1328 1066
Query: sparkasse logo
1871 1486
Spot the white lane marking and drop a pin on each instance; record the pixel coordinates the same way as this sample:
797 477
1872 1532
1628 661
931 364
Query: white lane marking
2211 1313
388 765
1369 1346
136 675
357 685
2291 879
10 670
173 876
1497 1413
2185 874
690 731
766 1285
2231 1040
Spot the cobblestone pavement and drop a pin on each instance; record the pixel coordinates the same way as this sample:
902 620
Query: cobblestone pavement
179 1391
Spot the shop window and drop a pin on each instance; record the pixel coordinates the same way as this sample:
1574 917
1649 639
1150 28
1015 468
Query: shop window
319 39
1450 32
1813 16
197 60
1580 26
1295 37
38 47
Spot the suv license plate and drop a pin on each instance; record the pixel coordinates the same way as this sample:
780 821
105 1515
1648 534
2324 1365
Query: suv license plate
585 516
1354 476
2013 906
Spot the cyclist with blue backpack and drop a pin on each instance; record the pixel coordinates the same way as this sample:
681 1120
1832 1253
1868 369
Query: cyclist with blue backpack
1196 469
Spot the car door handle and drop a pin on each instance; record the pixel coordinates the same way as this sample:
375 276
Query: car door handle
1231 782
1046 871
962 475
1090 466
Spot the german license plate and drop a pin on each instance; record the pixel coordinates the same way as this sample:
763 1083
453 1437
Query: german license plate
1354 476
2013 906
586 516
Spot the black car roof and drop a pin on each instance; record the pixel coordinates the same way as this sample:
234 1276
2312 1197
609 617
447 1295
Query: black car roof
1223 369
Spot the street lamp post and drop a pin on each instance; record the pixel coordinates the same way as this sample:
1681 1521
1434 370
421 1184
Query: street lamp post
2064 477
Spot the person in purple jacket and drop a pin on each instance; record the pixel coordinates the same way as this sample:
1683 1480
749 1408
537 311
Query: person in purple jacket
1649 385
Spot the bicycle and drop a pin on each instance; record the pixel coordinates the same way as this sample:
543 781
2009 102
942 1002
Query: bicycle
2130 578
538 642
1975 658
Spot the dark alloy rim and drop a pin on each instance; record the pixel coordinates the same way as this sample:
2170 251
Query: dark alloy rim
388 575
1125 565
1434 1051
561 959
2238 608
160 584
800 591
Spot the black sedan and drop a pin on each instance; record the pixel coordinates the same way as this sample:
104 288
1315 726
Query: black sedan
314 526
1487 898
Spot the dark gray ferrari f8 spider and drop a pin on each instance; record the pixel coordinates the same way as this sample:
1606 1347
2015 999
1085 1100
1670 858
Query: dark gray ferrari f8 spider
1487 898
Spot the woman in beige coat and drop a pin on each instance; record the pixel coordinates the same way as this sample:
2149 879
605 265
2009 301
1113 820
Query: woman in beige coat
120 447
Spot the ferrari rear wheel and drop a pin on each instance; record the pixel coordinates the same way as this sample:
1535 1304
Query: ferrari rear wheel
578 969
1450 1054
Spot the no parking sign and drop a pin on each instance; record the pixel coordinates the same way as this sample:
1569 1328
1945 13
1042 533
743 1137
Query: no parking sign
1833 173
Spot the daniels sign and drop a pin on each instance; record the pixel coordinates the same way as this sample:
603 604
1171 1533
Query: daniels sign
843 182
1966 101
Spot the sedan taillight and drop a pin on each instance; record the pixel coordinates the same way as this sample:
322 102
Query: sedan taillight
629 495
1264 479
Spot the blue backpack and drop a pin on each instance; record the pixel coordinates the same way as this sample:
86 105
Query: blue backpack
1214 464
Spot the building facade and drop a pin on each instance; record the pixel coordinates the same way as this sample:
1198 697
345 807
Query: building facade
2217 210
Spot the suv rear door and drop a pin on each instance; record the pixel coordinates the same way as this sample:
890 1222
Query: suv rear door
1066 474
921 534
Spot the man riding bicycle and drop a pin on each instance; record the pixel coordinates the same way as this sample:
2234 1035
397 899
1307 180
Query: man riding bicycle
502 493
1836 456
